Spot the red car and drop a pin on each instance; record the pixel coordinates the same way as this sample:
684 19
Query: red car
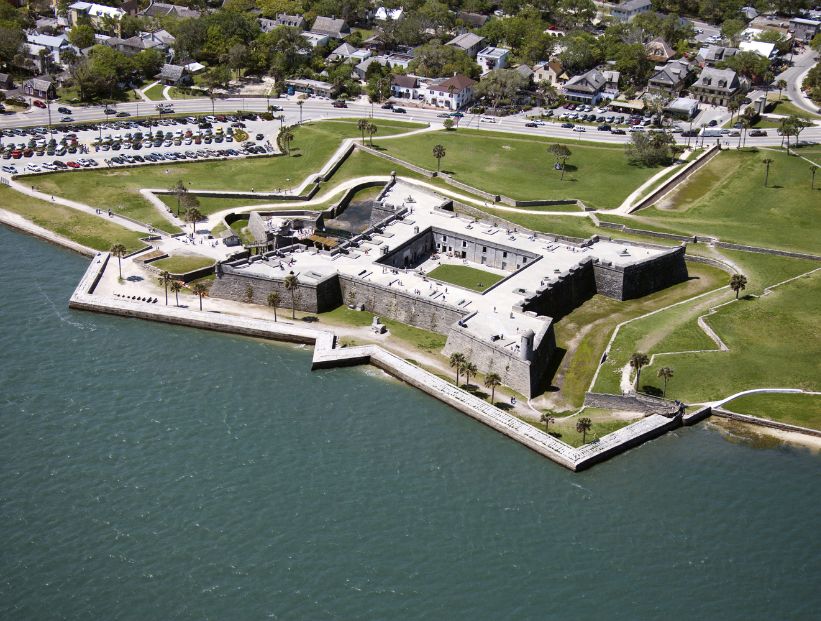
73 165
38 103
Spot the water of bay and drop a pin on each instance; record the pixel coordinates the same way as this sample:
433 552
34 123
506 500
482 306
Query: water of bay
154 472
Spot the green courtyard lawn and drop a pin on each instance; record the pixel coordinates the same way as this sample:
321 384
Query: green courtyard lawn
465 276
424 340
154 93
522 167
791 408
773 340
584 333
787 107
118 188
603 422
182 263
727 199
83 228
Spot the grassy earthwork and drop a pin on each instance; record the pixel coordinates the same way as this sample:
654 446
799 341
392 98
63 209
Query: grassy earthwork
727 199
522 167
78 226
465 277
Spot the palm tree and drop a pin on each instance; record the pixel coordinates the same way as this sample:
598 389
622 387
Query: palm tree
176 287
179 190
300 103
547 418
273 302
583 426
291 285
287 136
119 251
766 161
199 289
469 369
665 373
165 280
372 129
813 168
637 361
439 152
733 105
738 282
492 380
745 123
457 360
562 152
781 85
362 125
193 215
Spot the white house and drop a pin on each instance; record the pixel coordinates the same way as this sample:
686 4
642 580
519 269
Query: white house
491 58
626 11
452 93
382 14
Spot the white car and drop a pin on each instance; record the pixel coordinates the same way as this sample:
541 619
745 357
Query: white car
579 128
488 119
10 169
33 168
48 166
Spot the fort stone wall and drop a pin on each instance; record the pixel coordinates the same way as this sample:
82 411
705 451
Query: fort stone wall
562 293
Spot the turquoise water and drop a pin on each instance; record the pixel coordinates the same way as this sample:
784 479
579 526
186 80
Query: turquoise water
153 472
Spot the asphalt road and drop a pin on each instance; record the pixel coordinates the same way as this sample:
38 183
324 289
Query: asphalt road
317 109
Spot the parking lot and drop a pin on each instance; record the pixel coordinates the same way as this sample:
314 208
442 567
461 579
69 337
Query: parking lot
123 142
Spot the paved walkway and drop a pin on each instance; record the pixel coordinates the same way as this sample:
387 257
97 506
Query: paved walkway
142 94
627 205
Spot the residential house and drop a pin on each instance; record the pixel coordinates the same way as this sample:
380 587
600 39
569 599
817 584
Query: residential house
40 88
173 75
161 40
611 82
682 108
54 46
292 21
762 48
659 51
525 71
382 14
331 27
716 86
405 86
670 79
452 93
314 39
310 87
626 11
347 52
163 9
468 42
6 82
472 20
490 58
749 13
586 88
711 55
804 29
98 14
551 72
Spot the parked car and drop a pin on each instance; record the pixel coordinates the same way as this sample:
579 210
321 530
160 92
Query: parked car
12 170
259 137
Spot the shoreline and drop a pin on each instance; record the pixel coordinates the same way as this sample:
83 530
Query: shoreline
22 225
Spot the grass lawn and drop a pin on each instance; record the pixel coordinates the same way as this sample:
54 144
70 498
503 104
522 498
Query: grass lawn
571 226
118 188
773 340
521 167
584 333
603 422
787 107
421 339
793 409
182 263
727 199
83 228
182 93
154 93
240 227
465 276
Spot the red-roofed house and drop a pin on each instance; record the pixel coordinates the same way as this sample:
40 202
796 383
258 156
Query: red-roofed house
453 93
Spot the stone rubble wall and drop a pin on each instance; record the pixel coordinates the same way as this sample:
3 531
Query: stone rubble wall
636 402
